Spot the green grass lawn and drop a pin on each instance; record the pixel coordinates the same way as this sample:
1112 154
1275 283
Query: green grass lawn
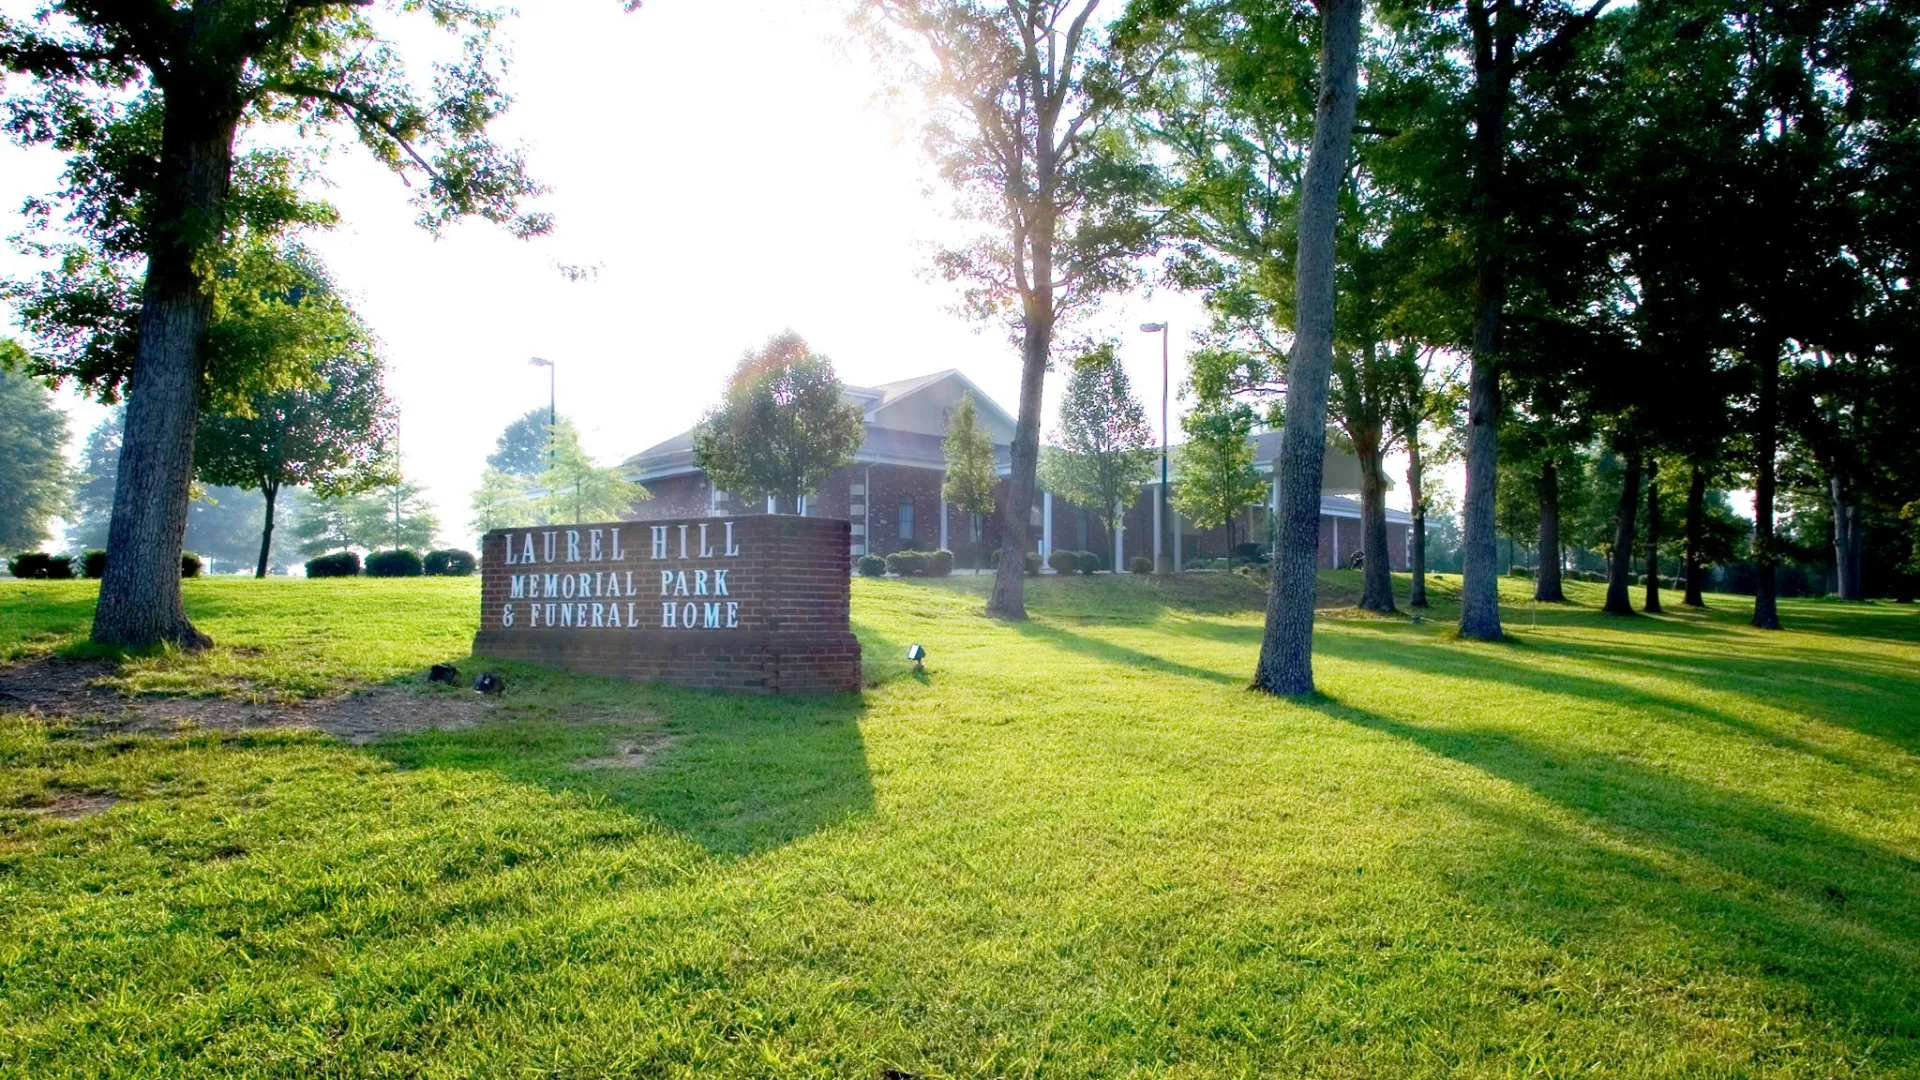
1077 847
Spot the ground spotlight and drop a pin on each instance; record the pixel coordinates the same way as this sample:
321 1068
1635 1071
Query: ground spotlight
917 654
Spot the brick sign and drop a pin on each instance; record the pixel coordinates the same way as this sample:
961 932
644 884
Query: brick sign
753 603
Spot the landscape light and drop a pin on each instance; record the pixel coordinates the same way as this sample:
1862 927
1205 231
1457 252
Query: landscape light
917 654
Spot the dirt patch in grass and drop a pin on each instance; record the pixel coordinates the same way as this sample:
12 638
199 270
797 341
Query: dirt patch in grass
630 754
74 690
71 805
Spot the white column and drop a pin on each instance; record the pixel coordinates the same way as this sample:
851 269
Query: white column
943 512
770 505
1178 566
1336 544
803 506
713 500
1119 536
1046 525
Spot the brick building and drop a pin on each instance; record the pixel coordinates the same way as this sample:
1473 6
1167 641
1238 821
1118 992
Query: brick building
891 493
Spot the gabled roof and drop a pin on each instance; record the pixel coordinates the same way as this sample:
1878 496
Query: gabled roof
882 445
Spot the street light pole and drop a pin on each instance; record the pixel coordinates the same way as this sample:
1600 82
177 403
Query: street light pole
1162 562
553 402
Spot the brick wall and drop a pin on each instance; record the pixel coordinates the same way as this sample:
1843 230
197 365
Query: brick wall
770 614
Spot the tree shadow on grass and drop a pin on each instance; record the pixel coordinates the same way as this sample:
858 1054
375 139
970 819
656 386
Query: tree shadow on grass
1873 699
1765 892
1499 666
737 774
1110 652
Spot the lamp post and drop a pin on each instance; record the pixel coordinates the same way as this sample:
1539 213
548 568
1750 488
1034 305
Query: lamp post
553 403
1162 562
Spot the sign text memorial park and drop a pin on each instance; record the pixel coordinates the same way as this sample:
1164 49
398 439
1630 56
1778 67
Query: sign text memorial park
753 603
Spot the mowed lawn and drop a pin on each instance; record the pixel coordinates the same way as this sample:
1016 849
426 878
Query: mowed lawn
1077 847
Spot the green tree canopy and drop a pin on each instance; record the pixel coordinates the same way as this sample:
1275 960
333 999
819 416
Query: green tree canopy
521 449
34 479
1103 450
577 489
166 114
783 426
328 431
395 514
970 473
1217 477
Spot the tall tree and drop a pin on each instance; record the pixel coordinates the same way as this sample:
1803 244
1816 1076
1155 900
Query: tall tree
970 475
34 478
149 102
783 426
1286 648
1104 450
1020 97
331 438
523 446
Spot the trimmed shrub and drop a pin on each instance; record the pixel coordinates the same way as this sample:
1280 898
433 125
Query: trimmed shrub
191 564
1140 564
449 562
872 566
337 564
1032 564
93 564
39 564
399 562
1252 553
939 563
1063 561
906 563
1091 561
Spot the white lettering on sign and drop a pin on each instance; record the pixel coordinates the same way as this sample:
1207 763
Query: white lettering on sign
684 592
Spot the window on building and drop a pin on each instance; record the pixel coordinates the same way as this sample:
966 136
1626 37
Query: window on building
906 521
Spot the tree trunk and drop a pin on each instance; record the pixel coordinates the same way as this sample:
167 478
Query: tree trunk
1009 597
1286 649
1766 445
1547 587
270 492
1620 559
1696 529
1846 540
140 602
1376 567
1651 602
1492 87
1417 537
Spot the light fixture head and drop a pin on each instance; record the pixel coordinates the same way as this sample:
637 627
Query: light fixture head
916 653
1152 327
538 362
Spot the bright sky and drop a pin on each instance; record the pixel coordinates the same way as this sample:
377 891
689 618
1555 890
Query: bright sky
726 166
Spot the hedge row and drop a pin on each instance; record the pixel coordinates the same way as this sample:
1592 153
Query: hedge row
93 564
399 562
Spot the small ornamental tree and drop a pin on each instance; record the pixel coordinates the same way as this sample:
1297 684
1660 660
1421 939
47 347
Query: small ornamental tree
150 101
577 489
783 426
328 435
1104 448
1217 475
970 475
